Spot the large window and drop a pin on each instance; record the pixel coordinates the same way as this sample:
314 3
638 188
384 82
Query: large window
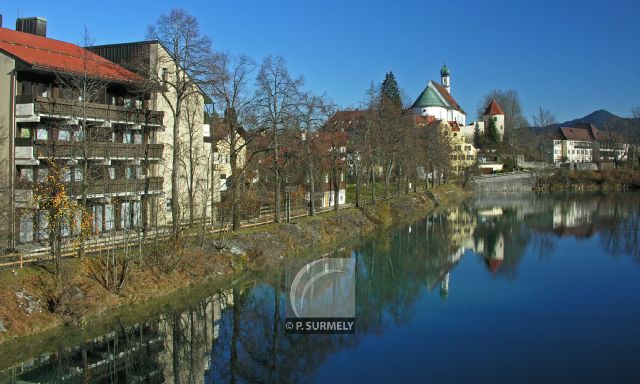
42 133
64 134
25 173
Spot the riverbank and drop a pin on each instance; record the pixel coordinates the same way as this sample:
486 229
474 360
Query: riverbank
31 302
603 180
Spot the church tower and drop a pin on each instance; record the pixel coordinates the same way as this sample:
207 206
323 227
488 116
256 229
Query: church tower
444 78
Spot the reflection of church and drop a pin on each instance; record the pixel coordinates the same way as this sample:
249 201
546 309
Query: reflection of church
463 224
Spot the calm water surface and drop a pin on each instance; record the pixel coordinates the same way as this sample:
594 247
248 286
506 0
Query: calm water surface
513 288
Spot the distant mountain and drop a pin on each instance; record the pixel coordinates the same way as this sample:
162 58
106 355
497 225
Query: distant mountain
603 120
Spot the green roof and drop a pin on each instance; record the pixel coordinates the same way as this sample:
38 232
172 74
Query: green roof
429 98
444 71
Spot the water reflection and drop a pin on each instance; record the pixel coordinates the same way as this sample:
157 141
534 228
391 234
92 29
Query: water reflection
236 335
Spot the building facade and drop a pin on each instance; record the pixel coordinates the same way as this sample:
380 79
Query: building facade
585 143
84 118
199 178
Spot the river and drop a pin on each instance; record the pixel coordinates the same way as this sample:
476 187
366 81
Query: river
504 288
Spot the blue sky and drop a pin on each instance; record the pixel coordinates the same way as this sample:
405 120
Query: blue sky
571 57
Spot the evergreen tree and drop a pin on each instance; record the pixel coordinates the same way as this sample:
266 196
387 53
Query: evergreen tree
493 131
390 93
476 136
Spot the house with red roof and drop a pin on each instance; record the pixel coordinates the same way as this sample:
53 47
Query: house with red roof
66 107
585 143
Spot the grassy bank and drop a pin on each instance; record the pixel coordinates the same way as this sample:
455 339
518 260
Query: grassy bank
604 180
31 301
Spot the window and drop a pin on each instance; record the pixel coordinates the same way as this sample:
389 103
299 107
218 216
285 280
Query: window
43 173
129 173
108 217
26 173
137 138
112 173
165 74
66 175
64 134
26 228
79 173
42 133
127 137
25 133
42 90
78 134
43 226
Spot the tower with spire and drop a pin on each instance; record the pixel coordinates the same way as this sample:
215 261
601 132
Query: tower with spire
445 79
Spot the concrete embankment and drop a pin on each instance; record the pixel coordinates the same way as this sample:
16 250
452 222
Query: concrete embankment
507 182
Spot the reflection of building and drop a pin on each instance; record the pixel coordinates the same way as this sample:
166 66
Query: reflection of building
171 348
491 249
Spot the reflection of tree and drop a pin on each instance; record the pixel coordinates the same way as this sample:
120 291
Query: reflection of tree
622 236
236 336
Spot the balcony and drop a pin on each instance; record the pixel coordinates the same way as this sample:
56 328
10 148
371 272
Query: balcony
97 188
31 108
120 187
97 150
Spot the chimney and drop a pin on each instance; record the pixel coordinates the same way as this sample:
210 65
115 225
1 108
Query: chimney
0 21
33 25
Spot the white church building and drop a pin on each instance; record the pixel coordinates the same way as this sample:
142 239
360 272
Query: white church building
436 101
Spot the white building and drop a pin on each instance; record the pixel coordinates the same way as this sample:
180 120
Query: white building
436 101
584 143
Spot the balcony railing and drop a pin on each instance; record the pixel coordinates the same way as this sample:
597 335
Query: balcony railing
97 150
94 111
103 187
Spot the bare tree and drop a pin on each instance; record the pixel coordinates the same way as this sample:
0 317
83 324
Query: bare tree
6 215
310 118
194 156
178 74
82 89
277 95
543 119
229 83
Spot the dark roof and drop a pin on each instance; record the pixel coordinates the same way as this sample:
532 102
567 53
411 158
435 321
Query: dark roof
578 134
59 56
586 132
493 108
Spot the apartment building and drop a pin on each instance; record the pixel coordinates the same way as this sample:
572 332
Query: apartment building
69 109
199 177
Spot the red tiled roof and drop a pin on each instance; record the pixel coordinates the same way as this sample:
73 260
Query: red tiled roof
420 120
59 56
494 265
595 132
579 134
493 108
443 91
